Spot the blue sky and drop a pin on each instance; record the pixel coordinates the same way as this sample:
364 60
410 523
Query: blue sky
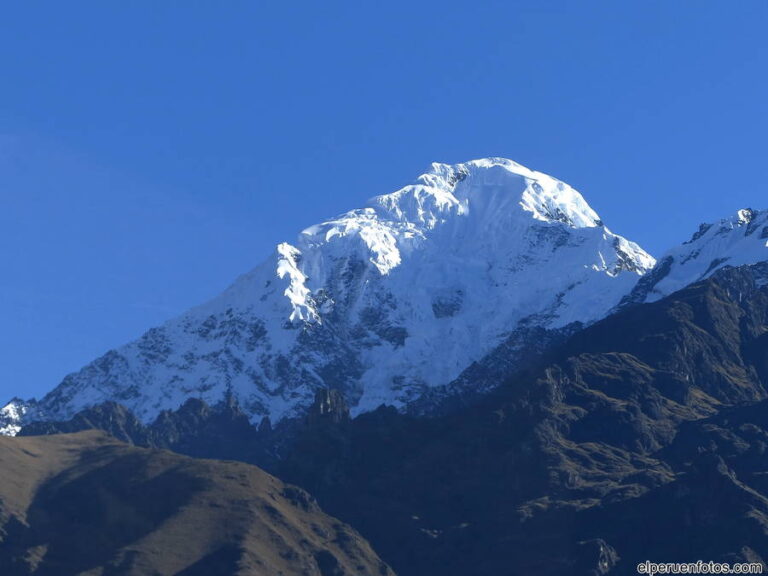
151 152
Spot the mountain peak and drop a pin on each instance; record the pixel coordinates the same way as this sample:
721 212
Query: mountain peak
12 415
488 201
383 303
739 240
494 186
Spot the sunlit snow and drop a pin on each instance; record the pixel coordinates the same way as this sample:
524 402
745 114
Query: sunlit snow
382 302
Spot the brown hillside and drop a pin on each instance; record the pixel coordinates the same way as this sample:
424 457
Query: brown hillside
86 504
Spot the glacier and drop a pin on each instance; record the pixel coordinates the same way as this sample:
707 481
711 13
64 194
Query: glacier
383 303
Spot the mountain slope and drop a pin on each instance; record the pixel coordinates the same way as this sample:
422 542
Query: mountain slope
384 303
86 504
736 241
644 426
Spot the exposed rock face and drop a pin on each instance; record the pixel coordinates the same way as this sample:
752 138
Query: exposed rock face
110 417
329 407
197 429
86 504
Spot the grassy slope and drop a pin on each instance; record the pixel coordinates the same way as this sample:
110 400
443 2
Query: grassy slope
86 504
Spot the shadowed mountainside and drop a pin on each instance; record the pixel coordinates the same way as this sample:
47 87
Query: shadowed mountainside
643 436
87 504
645 427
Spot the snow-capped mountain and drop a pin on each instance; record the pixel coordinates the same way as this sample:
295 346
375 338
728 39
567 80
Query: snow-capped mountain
383 303
736 241
12 415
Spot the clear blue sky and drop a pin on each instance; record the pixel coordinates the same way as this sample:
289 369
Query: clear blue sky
152 151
